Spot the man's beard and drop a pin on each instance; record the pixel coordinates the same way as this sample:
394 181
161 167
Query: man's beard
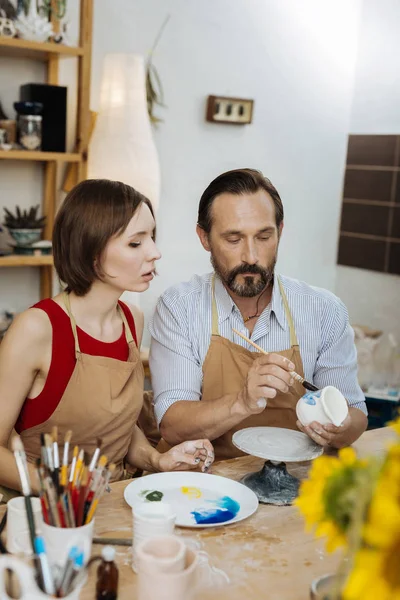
252 286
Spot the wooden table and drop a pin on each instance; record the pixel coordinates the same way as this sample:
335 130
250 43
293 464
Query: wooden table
266 556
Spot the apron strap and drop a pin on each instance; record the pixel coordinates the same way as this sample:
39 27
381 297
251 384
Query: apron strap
293 336
214 311
67 303
128 333
215 328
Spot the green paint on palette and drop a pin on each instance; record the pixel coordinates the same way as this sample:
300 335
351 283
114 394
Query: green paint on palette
154 496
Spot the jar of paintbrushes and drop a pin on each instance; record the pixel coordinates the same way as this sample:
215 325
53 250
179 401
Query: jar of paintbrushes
69 496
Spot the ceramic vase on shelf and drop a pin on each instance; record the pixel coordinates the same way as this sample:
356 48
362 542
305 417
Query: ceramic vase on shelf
122 147
33 27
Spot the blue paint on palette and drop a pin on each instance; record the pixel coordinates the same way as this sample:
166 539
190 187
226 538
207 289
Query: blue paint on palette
222 510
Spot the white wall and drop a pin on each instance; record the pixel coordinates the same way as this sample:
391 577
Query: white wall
296 59
374 298
286 56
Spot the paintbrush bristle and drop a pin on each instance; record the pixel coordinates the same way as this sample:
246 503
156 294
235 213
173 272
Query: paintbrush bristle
68 437
17 445
54 433
48 440
111 468
99 443
75 452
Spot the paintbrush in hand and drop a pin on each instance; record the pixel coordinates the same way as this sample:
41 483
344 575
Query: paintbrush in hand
296 376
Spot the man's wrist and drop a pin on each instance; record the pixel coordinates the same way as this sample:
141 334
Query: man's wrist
239 406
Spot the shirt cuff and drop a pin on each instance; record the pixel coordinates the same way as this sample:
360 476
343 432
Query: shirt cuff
361 406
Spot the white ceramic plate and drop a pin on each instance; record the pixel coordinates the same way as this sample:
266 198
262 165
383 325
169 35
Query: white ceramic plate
277 444
197 499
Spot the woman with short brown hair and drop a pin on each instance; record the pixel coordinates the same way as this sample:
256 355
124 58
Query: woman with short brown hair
73 361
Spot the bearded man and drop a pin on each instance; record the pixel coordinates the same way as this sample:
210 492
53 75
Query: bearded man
208 382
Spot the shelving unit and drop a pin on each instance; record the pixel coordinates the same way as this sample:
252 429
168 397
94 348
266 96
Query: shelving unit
370 223
27 49
15 260
40 156
51 53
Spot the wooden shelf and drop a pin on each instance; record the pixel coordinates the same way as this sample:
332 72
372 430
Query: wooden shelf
41 156
35 50
373 168
17 260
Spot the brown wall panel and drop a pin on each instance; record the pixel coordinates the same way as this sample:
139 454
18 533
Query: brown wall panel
361 253
371 150
394 259
361 218
396 223
368 185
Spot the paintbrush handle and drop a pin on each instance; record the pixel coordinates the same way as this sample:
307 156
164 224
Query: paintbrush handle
296 376
113 541
31 521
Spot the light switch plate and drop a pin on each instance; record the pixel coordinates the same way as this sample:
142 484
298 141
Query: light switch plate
222 109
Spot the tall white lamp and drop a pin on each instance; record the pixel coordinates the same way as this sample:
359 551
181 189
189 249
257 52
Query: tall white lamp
122 145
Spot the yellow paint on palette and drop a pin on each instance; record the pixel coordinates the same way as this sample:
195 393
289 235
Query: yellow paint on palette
191 492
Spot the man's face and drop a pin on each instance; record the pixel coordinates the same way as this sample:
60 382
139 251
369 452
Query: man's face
243 241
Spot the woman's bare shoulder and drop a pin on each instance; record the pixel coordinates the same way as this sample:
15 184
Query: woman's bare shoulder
30 327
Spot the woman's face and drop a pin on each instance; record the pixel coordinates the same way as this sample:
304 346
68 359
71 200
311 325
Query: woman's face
128 260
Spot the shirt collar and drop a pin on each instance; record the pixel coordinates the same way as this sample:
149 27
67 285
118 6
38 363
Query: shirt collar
225 304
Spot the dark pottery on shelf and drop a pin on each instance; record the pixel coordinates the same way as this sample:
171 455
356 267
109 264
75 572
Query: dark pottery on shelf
28 108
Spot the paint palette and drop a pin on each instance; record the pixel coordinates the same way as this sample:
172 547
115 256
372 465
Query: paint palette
197 499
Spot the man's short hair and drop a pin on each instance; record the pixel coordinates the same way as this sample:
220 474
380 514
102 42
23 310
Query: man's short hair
238 182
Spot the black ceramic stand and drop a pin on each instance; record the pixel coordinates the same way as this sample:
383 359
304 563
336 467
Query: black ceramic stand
273 484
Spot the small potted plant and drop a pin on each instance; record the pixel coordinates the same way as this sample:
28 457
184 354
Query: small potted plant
24 226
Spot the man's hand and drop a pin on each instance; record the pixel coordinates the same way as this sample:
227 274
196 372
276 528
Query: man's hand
267 376
327 435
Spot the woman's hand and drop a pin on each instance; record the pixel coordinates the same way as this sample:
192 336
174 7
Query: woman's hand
186 456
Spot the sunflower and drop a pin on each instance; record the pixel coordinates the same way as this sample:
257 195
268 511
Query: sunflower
328 497
376 571
395 425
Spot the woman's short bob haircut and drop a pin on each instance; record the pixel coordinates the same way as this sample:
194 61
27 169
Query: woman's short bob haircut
93 212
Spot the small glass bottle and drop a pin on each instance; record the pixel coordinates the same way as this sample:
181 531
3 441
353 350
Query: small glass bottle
30 131
107 576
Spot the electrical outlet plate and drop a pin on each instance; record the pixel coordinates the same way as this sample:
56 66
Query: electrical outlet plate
222 109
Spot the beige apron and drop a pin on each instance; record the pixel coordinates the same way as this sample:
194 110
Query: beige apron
225 369
103 400
224 372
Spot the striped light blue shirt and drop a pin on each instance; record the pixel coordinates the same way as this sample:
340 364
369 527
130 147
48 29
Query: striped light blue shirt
181 332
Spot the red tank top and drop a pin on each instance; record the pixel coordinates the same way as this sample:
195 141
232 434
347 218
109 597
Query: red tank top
37 410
